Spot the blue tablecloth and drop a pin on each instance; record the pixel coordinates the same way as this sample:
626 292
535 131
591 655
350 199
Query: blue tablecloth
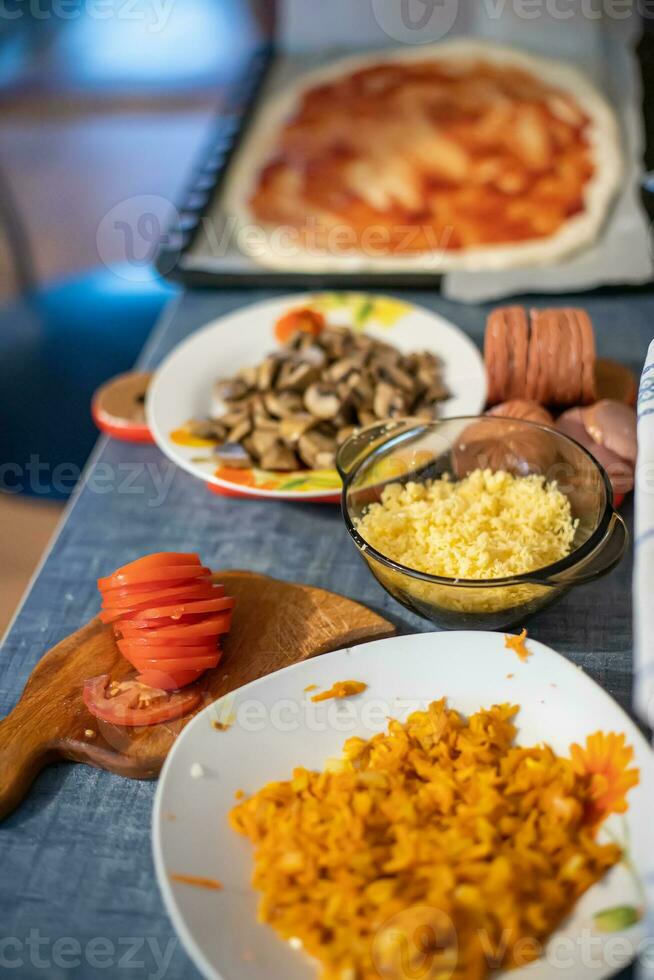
77 890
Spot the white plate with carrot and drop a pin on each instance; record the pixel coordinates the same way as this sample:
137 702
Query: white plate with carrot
184 385
459 842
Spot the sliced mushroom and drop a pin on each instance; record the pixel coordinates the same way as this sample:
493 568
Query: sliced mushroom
314 391
297 377
279 457
397 377
231 389
282 404
341 369
426 410
290 429
240 431
234 418
389 401
366 416
322 400
233 455
249 376
317 449
262 440
206 429
313 355
267 372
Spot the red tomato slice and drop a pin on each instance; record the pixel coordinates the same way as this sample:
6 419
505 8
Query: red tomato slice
135 704
145 662
179 610
171 680
161 559
133 601
183 632
168 575
163 651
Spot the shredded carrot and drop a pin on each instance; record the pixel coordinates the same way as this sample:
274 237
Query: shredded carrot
439 827
311 687
517 643
341 689
211 883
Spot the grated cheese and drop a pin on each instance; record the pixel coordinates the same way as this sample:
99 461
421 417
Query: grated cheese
487 525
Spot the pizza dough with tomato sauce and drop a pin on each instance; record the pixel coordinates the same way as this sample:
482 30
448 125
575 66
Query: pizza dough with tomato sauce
458 155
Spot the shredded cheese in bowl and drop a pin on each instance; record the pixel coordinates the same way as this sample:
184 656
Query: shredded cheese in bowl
487 525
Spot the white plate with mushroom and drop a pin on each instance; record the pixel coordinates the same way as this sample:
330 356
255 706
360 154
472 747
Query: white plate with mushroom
257 402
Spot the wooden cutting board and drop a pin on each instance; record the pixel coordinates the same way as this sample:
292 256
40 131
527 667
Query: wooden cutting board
275 624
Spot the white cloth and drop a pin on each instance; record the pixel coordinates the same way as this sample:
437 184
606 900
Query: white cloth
644 548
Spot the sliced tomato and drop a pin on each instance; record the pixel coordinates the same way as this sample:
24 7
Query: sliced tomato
145 577
209 648
134 602
169 680
184 632
133 703
184 609
145 662
160 559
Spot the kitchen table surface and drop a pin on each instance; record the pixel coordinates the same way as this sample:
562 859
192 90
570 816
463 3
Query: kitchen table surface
78 897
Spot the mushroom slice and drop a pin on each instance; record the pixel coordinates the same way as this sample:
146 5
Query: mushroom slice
249 376
425 410
366 416
206 429
279 457
396 376
267 372
317 449
233 455
297 377
322 400
240 431
389 401
282 404
340 370
231 419
313 355
291 428
384 354
230 389
262 440
336 341
260 415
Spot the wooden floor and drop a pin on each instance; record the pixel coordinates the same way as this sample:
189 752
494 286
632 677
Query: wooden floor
26 525
69 157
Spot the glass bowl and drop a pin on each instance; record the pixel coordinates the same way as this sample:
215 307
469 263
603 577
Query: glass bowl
410 450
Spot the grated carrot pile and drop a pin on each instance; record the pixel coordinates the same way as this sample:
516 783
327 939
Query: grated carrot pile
439 828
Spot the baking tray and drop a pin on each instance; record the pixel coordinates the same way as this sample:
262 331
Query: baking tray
201 200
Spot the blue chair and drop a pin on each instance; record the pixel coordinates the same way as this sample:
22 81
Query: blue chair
57 345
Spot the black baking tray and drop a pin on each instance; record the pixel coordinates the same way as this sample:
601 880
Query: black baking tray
206 183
